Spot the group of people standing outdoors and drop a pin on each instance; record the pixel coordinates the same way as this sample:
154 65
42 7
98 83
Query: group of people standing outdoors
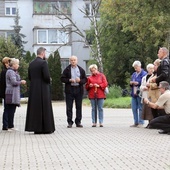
39 116
150 93
149 90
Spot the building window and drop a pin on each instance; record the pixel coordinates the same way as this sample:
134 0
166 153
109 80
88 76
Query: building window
64 63
52 36
9 34
42 36
49 7
10 8
87 68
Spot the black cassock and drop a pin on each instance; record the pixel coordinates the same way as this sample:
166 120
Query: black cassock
39 111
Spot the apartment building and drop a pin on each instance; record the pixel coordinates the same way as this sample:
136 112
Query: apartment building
43 28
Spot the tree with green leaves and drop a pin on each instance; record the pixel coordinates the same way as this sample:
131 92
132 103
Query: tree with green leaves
92 37
133 33
17 37
8 49
149 21
25 61
28 57
55 72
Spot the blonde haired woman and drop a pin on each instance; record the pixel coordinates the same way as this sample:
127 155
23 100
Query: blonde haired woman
5 62
12 93
96 84
154 92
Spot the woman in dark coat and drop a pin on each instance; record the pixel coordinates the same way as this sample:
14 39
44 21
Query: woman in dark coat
5 62
39 117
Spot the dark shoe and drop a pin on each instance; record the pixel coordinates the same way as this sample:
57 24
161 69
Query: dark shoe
150 127
4 128
69 126
79 125
48 132
162 132
38 132
101 125
94 125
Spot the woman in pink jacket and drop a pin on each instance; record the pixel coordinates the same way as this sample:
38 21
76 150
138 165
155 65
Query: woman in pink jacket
95 86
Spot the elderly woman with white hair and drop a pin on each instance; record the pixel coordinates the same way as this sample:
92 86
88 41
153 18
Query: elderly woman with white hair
144 88
96 84
136 104
12 93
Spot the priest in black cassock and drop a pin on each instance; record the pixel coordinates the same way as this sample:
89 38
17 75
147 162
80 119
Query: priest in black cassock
39 118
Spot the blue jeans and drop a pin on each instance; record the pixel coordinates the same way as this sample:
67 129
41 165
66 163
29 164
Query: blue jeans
100 103
137 110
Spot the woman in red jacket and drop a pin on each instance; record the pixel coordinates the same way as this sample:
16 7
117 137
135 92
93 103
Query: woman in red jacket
95 86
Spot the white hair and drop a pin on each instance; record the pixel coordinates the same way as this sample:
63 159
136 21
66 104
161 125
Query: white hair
150 66
73 56
13 61
136 63
93 66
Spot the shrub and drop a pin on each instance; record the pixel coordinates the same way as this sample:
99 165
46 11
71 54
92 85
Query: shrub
114 92
55 72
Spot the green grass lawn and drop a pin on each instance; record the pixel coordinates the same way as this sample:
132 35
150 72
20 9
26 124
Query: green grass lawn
121 102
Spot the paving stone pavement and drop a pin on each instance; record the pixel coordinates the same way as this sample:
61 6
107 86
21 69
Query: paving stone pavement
116 146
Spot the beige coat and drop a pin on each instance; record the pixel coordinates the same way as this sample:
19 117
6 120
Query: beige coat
153 93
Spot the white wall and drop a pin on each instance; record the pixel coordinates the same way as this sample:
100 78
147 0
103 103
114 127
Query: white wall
29 21
83 23
26 21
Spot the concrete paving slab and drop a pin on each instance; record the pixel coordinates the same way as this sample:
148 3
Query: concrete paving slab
116 146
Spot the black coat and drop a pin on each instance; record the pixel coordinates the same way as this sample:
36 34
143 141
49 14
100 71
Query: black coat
66 76
3 83
39 111
163 71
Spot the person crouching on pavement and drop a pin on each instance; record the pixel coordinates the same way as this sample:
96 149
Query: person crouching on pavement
161 122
